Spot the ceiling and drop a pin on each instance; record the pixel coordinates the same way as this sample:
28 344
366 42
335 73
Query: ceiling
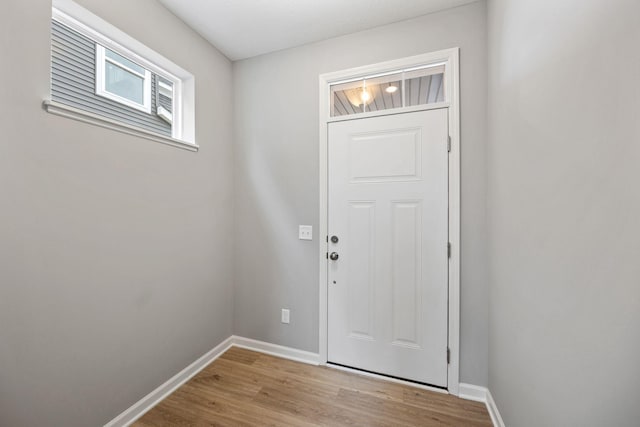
246 28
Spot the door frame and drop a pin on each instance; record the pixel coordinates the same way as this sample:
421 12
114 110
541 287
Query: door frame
450 58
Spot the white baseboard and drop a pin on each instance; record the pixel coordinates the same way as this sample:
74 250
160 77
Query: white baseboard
493 411
277 350
141 407
482 394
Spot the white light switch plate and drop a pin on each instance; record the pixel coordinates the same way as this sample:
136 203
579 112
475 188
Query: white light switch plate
305 232
285 315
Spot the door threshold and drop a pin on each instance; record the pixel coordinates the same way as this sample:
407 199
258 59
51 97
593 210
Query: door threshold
388 378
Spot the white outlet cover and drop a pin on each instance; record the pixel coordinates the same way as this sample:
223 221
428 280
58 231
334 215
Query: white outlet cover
305 232
285 315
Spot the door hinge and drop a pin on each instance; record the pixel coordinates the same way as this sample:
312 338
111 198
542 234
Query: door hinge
449 143
448 356
449 250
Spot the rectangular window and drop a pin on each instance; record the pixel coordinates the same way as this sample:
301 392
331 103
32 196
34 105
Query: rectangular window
397 89
370 94
164 100
122 80
424 86
101 76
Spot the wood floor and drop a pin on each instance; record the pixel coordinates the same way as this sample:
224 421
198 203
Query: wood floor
245 388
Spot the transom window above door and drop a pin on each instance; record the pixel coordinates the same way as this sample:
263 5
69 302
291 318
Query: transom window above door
396 89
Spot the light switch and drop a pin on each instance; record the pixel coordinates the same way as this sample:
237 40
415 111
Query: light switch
305 232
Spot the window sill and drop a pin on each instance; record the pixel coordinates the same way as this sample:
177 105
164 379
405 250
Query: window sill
96 120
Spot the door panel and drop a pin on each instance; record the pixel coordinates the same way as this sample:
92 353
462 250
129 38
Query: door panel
388 204
361 273
385 156
406 252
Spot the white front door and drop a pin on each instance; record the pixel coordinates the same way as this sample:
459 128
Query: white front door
388 229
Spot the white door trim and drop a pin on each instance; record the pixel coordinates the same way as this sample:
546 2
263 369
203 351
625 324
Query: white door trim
452 75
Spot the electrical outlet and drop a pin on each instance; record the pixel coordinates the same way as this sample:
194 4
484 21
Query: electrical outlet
305 232
285 315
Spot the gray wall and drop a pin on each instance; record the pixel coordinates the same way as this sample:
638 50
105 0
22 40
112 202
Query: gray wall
276 185
115 268
564 209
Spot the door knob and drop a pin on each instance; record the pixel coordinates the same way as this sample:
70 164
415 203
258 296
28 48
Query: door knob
333 256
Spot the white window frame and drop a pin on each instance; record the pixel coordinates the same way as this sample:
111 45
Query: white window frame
101 84
104 34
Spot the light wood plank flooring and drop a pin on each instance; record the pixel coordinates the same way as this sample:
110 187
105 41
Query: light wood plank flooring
245 388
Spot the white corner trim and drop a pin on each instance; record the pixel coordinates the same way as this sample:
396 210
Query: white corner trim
482 394
473 392
277 350
141 407
96 120
496 418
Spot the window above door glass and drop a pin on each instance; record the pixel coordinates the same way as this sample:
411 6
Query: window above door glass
402 88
